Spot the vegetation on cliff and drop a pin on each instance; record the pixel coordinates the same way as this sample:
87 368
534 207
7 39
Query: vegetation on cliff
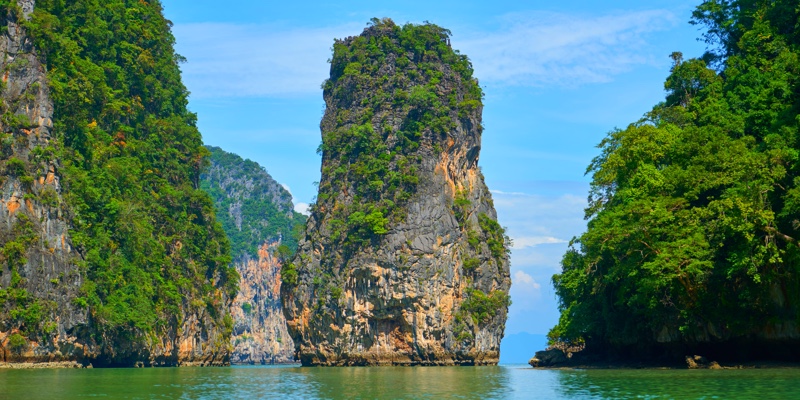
251 206
403 221
693 211
374 157
130 159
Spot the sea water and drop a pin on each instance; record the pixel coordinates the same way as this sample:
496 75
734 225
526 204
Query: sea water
503 382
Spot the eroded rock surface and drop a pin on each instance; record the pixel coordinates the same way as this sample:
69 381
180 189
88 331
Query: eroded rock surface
258 215
403 262
259 332
32 210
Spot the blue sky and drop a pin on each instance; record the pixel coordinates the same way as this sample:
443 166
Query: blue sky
557 77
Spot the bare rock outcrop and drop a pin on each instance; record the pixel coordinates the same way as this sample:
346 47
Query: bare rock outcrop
259 332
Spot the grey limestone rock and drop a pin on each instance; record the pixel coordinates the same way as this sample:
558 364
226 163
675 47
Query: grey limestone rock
50 273
429 290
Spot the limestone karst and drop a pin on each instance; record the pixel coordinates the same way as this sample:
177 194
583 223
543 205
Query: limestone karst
403 261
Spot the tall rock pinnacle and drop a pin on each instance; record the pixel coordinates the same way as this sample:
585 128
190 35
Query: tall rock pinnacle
403 261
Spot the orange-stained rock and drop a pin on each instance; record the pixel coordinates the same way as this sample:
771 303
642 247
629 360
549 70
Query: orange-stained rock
260 335
13 205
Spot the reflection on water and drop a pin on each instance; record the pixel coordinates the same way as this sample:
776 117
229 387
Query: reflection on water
680 384
507 382
400 382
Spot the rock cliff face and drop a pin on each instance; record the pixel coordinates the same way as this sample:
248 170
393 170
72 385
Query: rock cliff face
259 330
40 278
85 275
258 216
403 262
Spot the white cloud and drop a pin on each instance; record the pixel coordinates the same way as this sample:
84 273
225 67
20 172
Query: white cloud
551 49
302 208
533 241
534 219
523 279
527 49
500 192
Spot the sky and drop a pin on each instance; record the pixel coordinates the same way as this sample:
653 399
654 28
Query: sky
557 77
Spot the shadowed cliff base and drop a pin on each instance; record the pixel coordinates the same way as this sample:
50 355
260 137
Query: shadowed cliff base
399 359
729 354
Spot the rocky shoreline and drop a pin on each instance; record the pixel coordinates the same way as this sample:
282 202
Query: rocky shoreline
78 365
44 365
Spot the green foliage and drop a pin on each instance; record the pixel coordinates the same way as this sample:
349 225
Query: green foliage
251 206
461 331
372 150
289 274
284 252
49 197
247 308
15 167
22 236
16 121
693 210
496 239
17 343
366 224
471 263
461 207
482 307
24 311
130 157
473 238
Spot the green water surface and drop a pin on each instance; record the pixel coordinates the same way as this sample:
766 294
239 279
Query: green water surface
504 382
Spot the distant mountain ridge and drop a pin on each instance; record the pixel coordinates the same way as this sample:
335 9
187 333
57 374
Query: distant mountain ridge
252 206
258 216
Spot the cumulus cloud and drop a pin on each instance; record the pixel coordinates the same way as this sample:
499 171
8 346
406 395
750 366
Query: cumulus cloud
302 208
523 279
547 49
536 219
539 224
